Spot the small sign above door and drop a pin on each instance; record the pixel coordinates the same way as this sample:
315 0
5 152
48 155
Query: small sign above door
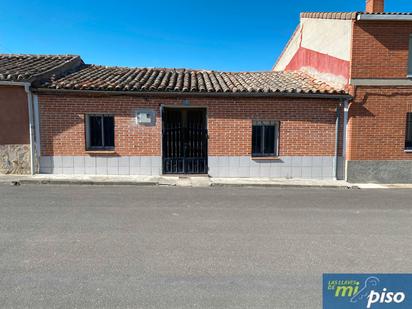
146 117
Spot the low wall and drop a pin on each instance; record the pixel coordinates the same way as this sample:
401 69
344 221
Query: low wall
380 171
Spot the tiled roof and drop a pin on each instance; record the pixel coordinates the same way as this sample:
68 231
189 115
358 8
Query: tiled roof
346 15
20 68
99 78
330 15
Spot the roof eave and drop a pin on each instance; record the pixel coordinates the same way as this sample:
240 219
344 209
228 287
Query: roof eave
14 83
201 94
383 17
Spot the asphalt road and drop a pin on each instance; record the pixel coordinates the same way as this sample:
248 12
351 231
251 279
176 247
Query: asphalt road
147 247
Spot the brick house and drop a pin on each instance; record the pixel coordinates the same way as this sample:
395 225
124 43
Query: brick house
18 73
122 121
370 54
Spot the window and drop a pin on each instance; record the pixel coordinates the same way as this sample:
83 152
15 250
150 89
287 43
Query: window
99 132
265 135
410 57
408 144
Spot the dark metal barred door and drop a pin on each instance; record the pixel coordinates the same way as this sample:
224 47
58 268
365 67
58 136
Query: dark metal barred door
184 141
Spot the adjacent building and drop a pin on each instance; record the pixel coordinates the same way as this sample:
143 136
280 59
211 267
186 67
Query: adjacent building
18 74
369 54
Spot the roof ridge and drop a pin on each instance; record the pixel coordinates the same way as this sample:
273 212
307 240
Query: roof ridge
97 66
346 15
330 15
38 55
145 68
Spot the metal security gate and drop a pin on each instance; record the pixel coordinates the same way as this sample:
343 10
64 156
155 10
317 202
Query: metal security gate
184 141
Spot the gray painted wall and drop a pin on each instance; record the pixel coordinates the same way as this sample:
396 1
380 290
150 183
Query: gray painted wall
380 171
286 167
67 165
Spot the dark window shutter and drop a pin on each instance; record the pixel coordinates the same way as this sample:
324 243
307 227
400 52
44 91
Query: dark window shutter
108 132
95 132
409 132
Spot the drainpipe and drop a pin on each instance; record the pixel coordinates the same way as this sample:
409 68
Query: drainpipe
336 167
31 126
37 127
345 134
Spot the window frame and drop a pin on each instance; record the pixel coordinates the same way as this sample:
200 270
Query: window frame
263 124
408 135
88 133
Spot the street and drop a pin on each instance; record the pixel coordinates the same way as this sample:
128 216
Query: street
166 247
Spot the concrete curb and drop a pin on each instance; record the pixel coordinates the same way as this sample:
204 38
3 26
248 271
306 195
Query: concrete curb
275 185
163 184
82 182
175 182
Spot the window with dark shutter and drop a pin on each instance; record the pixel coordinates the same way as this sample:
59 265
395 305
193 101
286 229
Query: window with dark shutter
408 144
265 136
99 132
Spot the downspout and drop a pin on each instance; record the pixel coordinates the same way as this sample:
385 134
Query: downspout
345 135
336 166
27 88
37 128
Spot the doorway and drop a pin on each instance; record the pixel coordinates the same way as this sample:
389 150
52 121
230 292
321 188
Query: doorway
185 140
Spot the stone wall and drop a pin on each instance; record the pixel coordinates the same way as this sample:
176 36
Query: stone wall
15 159
380 171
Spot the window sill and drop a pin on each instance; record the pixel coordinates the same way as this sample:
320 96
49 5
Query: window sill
408 150
266 158
100 152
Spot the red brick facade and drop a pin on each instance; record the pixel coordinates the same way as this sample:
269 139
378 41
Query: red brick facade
380 49
14 117
377 124
308 126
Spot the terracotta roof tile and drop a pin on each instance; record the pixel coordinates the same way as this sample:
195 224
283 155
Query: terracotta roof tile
100 78
28 67
330 15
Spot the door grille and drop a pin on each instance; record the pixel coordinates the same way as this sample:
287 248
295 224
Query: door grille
184 141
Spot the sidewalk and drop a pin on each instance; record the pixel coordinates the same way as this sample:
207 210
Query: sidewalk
186 181
170 181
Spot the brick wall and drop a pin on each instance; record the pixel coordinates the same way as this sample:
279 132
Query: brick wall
307 125
380 49
14 117
377 126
